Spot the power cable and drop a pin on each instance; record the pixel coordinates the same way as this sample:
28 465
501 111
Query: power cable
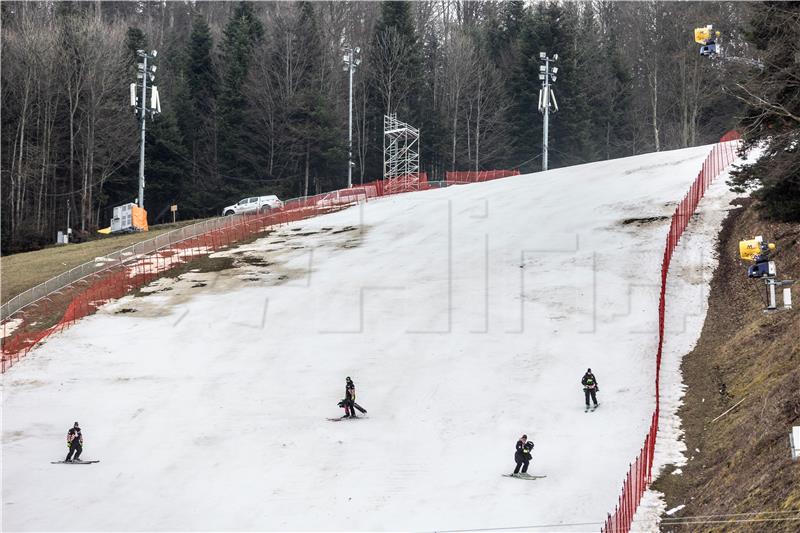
693 519
519 527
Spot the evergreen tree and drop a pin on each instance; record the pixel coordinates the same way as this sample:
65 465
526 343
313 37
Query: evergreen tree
772 117
395 29
196 94
312 117
524 122
167 165
242 34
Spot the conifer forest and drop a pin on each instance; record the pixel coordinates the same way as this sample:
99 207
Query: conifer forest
254 95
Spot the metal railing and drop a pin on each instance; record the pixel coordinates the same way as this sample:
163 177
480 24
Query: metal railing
113 259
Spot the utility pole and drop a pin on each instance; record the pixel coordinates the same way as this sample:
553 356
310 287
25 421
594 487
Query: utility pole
140 106
547 99
350 63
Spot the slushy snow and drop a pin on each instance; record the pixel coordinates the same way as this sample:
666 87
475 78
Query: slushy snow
466 316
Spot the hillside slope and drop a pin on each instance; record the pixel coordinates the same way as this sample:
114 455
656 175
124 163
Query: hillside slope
465 315
24 270
741 463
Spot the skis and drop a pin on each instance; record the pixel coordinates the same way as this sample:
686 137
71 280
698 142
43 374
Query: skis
528 477
73 462
361 409
340 418
593 408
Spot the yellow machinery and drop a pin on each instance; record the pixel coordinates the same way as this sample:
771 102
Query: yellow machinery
705 35
708 38
749 249
758 251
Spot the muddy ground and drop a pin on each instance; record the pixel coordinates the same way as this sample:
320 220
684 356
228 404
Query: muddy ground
740 462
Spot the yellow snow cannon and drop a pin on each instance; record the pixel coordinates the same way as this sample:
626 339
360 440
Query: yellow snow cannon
751 248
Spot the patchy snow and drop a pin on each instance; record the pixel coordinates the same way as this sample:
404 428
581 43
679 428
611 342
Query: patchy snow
164 260
466 317
674 510
688 286
9 326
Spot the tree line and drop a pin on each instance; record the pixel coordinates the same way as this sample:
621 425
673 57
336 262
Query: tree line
255 98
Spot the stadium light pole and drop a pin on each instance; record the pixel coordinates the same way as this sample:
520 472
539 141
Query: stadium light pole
351 61
143 73
547 99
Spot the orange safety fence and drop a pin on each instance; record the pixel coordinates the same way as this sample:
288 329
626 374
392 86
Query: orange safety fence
640 472
474 176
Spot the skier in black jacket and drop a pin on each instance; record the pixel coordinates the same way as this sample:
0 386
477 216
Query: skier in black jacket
590 388
349 398
74 443
522 456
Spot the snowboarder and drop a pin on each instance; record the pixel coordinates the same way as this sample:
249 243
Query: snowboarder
349 398
522 456
74 443
590 388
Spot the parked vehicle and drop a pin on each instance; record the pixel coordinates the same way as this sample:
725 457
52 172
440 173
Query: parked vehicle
254 204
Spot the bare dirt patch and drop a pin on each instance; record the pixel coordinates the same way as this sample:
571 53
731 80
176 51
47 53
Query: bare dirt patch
641 221
743 355
345 230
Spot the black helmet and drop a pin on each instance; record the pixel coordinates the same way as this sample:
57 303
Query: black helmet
75 425
348 378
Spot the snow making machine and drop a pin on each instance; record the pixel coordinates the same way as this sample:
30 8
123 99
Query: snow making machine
708 38
759 252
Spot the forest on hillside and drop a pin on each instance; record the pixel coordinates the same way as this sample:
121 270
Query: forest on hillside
255 99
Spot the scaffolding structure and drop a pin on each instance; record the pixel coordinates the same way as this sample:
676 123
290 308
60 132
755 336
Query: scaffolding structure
400 155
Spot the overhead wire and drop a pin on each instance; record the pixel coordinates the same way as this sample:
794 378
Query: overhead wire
688 520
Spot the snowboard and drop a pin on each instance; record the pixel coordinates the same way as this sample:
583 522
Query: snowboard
340 418
531 478
361 409
74 462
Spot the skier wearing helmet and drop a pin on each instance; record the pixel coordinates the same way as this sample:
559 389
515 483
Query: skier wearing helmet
590 388
522 456
349 398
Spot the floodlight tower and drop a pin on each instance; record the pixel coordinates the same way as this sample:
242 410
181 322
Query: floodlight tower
547 99
351 61
141 107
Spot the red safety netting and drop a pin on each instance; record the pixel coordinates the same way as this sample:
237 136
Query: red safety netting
474 176
24 329
640 471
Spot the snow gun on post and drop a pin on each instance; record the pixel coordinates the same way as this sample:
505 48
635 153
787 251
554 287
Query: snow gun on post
758 251
708 38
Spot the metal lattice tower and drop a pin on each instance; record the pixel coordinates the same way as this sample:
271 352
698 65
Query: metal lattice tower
400 154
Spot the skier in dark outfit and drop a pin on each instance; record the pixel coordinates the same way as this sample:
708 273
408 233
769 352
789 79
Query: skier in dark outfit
590 388
75 443
349 398
523 455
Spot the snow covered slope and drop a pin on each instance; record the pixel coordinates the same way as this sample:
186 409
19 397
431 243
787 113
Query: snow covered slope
466 317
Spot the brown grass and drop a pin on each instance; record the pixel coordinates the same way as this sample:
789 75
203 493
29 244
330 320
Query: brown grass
743 464
20 272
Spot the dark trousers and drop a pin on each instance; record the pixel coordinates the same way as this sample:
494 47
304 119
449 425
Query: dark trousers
522 462
75 448
590 393
349 410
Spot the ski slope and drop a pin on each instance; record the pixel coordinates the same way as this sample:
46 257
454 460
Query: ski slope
466 317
